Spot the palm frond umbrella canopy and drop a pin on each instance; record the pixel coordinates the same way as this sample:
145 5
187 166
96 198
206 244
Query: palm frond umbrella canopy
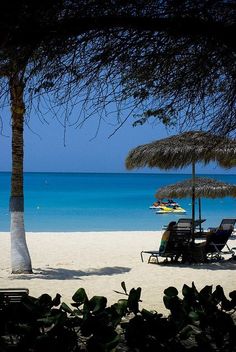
204 188
183 150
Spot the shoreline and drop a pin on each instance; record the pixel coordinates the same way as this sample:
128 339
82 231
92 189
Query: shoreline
99 261
160 231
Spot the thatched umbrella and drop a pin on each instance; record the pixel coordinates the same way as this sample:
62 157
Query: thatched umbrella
183 150
204 188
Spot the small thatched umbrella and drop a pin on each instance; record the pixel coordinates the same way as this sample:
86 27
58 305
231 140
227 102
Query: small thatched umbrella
204 188
183 150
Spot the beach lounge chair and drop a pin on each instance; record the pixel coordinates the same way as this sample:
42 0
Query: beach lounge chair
13 295
13 315
216 245
172 244
185 223
226 224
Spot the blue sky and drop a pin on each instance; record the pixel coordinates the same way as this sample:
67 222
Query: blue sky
84 151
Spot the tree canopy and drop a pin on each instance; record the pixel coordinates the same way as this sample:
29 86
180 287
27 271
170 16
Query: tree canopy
171 60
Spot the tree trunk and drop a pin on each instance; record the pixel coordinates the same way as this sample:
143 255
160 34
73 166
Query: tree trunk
20 258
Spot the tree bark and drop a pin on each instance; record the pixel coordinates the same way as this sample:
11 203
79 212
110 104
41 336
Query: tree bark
20 258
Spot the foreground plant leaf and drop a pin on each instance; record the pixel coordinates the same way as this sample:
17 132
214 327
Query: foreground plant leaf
80 296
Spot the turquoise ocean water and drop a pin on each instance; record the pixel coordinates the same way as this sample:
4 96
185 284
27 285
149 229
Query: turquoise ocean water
102 202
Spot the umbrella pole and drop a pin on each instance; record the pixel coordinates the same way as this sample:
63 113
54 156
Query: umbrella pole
193 199
200 214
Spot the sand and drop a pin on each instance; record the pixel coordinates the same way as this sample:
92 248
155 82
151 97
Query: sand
100 261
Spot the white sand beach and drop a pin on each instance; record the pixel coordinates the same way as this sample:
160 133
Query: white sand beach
100 261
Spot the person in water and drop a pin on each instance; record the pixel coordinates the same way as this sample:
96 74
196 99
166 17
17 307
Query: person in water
170 201
157 204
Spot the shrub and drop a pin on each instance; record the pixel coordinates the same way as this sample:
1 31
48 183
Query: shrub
199 321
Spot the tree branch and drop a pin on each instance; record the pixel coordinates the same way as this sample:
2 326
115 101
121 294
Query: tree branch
176 26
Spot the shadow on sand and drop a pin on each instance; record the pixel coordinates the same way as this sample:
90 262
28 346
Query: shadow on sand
68 274
229 264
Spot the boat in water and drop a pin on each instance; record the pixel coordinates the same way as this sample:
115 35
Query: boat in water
176 209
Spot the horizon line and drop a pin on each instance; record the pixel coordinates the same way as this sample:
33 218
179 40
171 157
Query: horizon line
120 172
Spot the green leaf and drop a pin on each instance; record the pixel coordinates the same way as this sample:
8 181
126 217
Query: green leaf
135 293
45 300
121 307
25 328
227 305
218 295
133 299
171 291
123 286
194 288
187 291
78 312
232 295
166 300
194 316
56 300
174 304
53 319
80 296
97 303
206 291
66 308
148 314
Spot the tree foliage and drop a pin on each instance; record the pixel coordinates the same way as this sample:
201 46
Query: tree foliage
173 61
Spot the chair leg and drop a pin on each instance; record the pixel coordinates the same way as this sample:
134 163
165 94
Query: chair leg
153 256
